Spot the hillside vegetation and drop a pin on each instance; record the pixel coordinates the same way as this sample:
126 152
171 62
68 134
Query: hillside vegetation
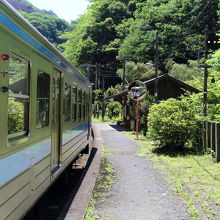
47 22
114 29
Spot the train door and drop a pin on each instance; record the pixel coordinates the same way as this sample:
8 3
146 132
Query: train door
3 101
56 123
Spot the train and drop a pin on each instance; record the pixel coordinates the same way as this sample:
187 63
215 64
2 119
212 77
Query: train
45 114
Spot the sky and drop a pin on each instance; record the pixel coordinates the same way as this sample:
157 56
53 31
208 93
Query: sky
66 9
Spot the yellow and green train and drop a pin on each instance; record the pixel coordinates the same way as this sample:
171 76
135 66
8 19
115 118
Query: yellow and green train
44 114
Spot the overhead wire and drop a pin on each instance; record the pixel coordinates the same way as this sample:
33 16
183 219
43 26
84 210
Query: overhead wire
175 48
187 32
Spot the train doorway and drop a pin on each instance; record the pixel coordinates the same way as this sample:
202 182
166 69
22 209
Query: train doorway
56 123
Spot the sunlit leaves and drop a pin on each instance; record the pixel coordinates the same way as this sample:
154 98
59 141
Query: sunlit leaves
50 26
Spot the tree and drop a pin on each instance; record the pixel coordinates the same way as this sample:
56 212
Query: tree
175 21
137 71
113 110
113 29
186 72
50 26
215 61
94 38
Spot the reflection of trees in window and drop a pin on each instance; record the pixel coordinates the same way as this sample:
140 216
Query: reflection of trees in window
80 103
84 105
89 99
74 103
43 97
16 115
67 102
18 112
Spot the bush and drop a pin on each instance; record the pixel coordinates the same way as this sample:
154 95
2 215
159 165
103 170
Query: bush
113 109
172 123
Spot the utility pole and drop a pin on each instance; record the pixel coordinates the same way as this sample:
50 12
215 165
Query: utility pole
103 99
99 77
96 76
103 83
124 59
156 67
137 117
87 69
123 78
205 73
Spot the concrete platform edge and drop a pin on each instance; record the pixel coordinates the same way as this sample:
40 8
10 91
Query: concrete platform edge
81 200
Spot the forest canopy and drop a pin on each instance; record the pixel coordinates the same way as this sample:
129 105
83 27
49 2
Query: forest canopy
113 29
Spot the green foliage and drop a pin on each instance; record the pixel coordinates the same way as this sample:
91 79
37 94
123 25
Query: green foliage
80 47
111 91
94 38
113 109
102 189
98 96
119 87
185 72
50 26
114 29
215 61
15 117
136 71
173 122
172 20
188 167
98 93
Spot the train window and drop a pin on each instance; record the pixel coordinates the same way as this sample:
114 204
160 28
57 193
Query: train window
80 103
74 103
43 96
87 103
84 105
18 99
67 102
89 100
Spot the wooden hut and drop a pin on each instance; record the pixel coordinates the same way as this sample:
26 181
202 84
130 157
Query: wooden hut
168 87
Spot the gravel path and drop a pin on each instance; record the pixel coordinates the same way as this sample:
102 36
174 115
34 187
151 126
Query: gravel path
140 192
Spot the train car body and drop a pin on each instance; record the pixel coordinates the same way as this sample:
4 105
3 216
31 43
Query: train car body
44 114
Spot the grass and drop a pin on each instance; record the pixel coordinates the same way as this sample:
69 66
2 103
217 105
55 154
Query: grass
106 178
199 172
106 120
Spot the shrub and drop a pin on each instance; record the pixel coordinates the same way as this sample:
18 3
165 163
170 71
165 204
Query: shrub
172 122
113 109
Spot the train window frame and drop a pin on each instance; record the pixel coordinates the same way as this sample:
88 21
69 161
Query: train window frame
49 97
74 103
66 84
25 97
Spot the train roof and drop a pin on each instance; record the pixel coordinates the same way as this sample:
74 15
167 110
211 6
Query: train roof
35 39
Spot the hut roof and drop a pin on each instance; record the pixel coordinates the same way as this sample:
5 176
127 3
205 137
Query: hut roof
168 87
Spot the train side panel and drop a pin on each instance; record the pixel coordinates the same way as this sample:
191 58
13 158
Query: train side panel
55 122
